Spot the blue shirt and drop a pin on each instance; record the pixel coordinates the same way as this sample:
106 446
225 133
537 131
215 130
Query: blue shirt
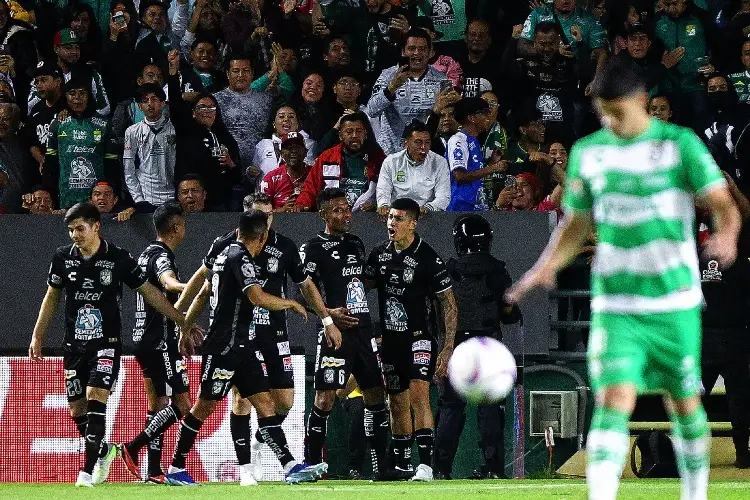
465 152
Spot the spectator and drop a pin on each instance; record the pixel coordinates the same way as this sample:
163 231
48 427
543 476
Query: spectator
688 36
284 184
277 81
15 161
495 144
18 38
129 112
336 58
353 166
525 151
267 155
347 89
119 64
204 24
103 197
465 157
639 51
441 62
191 194
314 112
155 39
659 107
451 17
478 62
243 26
151 146
79 150
584 35
738 27
246 112
204 146
200 75
441 121
523 196
416 173
741 81
405 92
48 81
38 201
84 24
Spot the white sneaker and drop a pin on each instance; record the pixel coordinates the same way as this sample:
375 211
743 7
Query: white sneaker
246 476
101 469
256 464
423 473
84 479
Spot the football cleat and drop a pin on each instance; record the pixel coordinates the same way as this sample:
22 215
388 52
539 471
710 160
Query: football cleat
246 476
84 479
131 462
423 473
101 469
181 478
155 479
301 473
256 464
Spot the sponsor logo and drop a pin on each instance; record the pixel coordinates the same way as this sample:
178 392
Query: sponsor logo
248 270
310 267
80 135
265 369
167 365
283 347
104 366
712 272
394 290
351 259
88 296
374 344
88 324
69 374
421 345
273 251
330 362
445 281
261 316
288 366
88 284
106 353
384 257
423 371
351 271
218 387
259 356
82 174
422 358
329 245
222 374
394 278
55 279
356 297
72 263
179 365
395 315
410 262
105 263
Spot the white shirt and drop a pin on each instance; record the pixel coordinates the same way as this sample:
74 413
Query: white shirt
154 148
428 184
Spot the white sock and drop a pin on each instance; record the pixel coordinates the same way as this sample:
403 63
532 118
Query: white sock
693 476
174 470
606 452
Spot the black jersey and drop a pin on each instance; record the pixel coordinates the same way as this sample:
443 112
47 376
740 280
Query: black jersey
278 259
152 329
231 316
406 282
38 122
337 265
218 246
93 288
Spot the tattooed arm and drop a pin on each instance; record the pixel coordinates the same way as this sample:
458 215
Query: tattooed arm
450 313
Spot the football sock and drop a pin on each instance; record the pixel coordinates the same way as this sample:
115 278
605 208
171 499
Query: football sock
273 436
376 433
239 426
691 439
154 449
155 427
425 441
185 440
280 419
401 450
81 421
607 448
316 435
96 412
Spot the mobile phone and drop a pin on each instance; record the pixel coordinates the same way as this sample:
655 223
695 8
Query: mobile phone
119 18
445 84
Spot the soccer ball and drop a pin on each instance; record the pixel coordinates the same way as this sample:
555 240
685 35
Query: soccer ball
482 370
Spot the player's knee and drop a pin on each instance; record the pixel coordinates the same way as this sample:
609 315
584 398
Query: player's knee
182 401
620 397
374 396
400 403
241 406
203 408
325 400
682 407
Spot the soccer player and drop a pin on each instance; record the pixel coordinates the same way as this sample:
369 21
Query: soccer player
231 357
408 273
633 182
335 259
156 345
92 271
278 260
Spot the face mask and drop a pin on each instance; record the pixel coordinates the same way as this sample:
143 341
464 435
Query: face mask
719 99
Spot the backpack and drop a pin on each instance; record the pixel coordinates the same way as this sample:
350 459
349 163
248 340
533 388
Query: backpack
657 456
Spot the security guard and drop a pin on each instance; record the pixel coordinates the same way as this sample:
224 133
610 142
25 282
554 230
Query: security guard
480 281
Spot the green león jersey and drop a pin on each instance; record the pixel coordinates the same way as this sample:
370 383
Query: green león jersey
640 192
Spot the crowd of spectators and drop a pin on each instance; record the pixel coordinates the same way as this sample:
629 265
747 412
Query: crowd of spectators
462 105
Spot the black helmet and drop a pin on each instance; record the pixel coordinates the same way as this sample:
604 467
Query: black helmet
471 234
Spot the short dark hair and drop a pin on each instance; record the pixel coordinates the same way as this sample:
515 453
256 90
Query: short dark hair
408 205
192 177
164 214
416 33
253 224
354 117
201 40
258 197
86 211
106 182
329 194
618 78
38 187
546 27
238 56
662 96
332 39
415 126
149 88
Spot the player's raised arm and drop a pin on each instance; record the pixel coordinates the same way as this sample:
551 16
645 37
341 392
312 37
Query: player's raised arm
46 311
192 288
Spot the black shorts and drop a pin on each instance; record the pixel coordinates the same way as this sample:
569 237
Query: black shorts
164 368
245 370
273 343
97 368
358 356
406 359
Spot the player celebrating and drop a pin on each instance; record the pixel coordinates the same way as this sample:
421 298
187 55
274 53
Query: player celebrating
408 273
92 271
335 259
230 357
156 346
634 182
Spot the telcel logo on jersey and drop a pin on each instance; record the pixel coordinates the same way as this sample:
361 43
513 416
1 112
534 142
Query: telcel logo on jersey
351 271
88 296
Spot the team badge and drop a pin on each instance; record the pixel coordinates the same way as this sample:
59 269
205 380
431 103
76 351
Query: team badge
273 265
408 275
106 277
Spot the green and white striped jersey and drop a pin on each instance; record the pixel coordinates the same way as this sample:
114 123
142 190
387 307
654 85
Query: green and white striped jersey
640 192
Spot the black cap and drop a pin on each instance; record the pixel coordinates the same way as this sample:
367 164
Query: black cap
425 22
46 68
636 28
469 106
77 82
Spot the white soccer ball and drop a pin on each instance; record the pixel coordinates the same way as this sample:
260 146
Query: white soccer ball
482 370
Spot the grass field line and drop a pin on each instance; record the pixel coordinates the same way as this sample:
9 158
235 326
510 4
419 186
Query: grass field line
442 486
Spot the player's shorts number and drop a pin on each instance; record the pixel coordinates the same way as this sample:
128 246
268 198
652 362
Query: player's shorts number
73 387
342 377
214 291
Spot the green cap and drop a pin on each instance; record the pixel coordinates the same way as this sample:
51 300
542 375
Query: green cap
66 37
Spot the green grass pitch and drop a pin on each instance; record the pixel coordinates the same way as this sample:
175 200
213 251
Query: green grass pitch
661 489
